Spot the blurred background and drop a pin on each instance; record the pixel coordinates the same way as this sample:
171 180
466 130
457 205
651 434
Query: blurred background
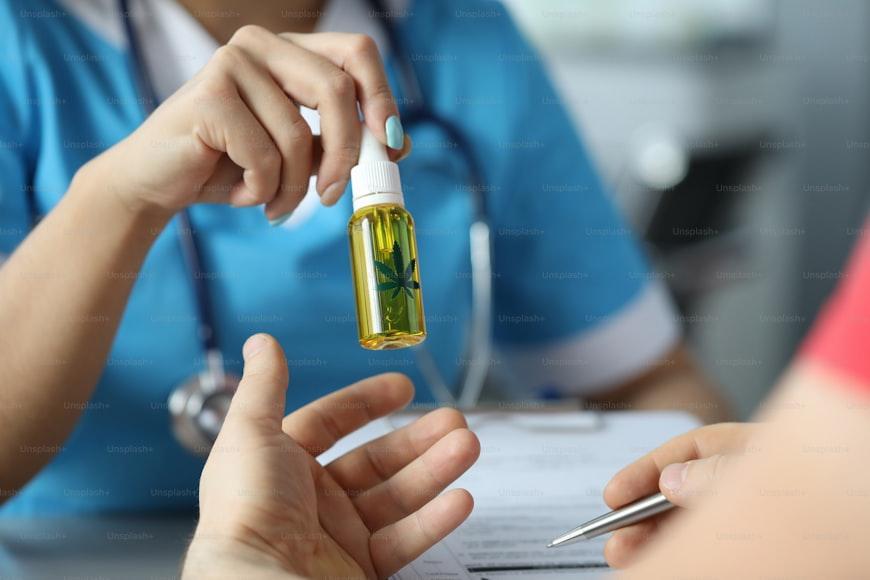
734 135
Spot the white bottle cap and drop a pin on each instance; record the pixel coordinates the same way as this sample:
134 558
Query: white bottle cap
375 179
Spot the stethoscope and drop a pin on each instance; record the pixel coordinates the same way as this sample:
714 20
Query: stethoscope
199 404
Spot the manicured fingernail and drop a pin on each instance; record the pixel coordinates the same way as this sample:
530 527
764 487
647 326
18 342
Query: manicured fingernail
280 219
334 191
674 475
395 133
253 345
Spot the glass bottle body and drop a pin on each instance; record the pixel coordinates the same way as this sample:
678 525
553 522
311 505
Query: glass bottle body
389 300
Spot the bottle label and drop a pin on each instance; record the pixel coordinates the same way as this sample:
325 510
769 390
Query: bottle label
398 276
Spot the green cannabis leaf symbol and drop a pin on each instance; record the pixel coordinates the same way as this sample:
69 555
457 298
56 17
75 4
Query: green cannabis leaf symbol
399 276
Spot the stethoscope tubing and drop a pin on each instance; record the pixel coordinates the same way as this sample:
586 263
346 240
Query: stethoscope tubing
190 247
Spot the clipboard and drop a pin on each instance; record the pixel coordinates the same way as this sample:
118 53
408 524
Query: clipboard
530 416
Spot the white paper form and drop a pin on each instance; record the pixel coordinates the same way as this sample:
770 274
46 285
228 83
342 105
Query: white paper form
539 475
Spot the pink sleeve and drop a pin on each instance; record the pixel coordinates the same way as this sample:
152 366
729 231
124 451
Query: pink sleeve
840 338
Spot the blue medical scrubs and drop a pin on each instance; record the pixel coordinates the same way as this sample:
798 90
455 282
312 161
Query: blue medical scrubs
564 263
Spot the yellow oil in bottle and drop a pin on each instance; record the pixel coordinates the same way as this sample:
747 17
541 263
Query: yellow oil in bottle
386 275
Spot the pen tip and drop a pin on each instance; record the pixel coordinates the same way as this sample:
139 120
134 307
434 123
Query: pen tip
550 545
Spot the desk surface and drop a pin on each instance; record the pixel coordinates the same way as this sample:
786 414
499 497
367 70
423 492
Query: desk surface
94 548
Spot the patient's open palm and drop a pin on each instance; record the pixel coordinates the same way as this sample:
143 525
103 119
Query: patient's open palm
365 514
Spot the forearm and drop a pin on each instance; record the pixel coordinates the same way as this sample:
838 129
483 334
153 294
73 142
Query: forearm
674 382
62 295
794 507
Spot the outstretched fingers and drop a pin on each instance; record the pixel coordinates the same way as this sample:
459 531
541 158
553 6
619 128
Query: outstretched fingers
319 425
398 544
420 481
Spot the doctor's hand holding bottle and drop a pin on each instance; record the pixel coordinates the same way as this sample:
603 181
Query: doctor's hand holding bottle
234 134
268 509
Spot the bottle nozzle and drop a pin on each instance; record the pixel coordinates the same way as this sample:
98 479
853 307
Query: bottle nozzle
371 149
374 179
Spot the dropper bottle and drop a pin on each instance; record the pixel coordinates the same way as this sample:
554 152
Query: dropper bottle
383 253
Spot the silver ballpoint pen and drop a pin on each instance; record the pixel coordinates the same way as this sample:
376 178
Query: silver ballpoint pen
624 516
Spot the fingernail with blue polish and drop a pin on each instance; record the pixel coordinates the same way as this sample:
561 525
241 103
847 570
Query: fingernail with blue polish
395 133
280 219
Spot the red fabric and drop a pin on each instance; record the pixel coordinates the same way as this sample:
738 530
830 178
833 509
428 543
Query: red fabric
840 337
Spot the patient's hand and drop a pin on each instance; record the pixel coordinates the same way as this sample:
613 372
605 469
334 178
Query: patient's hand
269 509
685 469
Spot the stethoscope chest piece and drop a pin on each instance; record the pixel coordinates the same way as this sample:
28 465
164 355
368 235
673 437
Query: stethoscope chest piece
199 405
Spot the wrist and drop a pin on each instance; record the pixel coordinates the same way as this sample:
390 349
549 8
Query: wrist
211 556
105 187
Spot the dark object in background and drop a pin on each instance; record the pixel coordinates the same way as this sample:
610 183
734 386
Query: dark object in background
693 233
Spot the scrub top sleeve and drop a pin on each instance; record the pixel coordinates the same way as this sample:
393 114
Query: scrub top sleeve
576 306
15 119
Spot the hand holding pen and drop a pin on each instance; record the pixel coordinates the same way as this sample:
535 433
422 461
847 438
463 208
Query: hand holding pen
684 470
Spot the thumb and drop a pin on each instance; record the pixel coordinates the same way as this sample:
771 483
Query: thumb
262 390
684 484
